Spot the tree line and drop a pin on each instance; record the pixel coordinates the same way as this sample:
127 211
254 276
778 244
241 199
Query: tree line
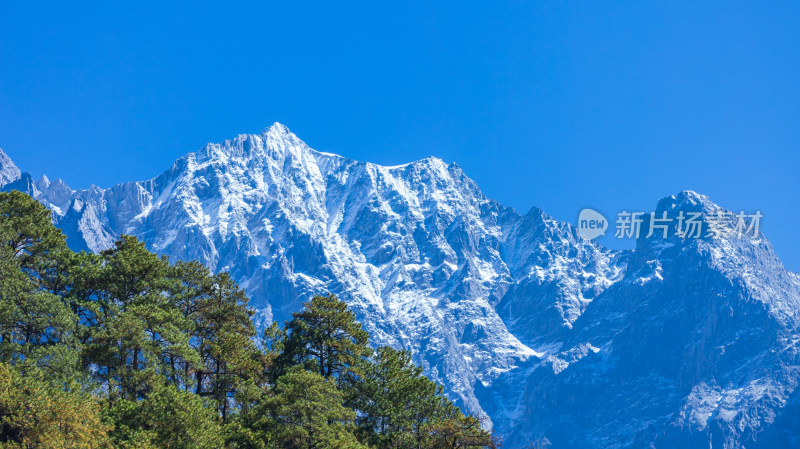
123 349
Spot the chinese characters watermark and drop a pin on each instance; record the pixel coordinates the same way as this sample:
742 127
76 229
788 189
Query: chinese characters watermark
719 224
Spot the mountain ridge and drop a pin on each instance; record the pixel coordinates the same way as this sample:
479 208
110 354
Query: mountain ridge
488 299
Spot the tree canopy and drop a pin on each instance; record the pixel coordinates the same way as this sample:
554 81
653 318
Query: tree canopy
123 349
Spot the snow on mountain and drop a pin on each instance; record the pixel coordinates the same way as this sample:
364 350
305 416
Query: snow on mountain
8 171
681 342
696 346
56 194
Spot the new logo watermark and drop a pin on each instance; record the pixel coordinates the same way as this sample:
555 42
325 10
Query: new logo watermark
591 224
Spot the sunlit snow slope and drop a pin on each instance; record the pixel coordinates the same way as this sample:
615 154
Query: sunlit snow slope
679 343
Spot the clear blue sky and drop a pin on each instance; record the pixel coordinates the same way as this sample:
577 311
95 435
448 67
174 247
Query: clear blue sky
560 105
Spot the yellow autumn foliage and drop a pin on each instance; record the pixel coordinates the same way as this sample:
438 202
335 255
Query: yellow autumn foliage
36 414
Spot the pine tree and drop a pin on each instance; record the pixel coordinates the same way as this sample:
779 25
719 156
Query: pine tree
139 328
222 334
36 412
167 418
326 338
305 412
457 431
169 351
36 322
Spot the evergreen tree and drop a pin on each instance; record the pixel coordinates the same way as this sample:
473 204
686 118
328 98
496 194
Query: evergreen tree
305 412
167 418
169 351
388 385
457 431
398 407
325 337
36 323
35 412
222 334
139 328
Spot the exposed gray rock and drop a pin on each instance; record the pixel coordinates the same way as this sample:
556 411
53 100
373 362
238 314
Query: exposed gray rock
680 343
8 171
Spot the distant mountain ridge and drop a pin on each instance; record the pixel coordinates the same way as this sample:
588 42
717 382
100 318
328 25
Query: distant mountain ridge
678 343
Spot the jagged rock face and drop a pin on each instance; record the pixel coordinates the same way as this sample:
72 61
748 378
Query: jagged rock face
556 277
679 342
696 346
8 171
416 250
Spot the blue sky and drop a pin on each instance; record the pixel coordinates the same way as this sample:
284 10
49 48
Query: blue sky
560 105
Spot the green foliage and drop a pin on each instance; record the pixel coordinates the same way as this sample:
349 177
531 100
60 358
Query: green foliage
138 325
36 322
38 413
125 350
306 411
396 401
456 431
167 418
401 408
325 337
222 334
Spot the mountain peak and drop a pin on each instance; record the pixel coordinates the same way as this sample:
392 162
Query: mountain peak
277 128
8 171
515 315
273 142
688 201
43 183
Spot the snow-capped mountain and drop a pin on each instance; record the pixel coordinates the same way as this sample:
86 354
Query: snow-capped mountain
8 171
696 346
681 342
